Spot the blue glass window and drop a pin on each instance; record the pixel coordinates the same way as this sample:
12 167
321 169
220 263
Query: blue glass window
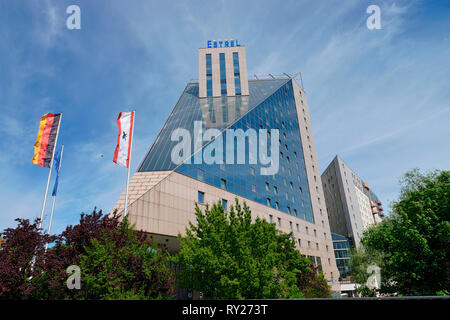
223 75
209 90
201 197
224 204
223 184
269 102
237 75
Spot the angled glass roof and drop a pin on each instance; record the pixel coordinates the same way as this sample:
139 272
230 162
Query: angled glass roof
219 113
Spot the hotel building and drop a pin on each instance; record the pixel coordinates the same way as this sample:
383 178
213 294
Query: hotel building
162 194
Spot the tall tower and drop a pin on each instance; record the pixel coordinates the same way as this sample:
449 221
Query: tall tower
163 193
222 69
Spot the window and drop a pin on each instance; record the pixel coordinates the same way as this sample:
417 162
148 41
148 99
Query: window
201 197
224 204
275 190
327 248
252 171
315 233
270 218
208 76
200 174
309 244
290 225
307 230
329 263
279 222
319 263
223 184
317 246
267 186
299 242
277 205
253 187
269 202
289 210
237 77
297 227
292 186
223 76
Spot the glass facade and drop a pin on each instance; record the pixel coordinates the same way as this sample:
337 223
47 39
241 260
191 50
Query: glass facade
209 90
270 105
223 75
237 74
341 246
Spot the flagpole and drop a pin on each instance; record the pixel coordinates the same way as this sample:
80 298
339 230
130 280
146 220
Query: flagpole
54 198
49 173
129 165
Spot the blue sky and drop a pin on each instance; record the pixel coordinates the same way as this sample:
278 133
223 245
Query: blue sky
378 98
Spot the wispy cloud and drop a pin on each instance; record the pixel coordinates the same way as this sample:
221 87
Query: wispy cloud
376 97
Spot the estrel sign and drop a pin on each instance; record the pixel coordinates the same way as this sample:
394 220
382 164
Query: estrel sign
222 43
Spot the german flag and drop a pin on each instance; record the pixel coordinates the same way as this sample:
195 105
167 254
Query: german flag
46 139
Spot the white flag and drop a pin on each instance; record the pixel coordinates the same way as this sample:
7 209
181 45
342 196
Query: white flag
125 121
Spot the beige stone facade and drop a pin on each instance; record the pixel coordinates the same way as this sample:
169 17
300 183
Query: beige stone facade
229 69
165 210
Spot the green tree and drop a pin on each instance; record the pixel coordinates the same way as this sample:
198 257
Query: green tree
122 264
414 241
116 262
360 260
227 256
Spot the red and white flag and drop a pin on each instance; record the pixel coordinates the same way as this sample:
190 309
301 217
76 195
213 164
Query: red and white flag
125 122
